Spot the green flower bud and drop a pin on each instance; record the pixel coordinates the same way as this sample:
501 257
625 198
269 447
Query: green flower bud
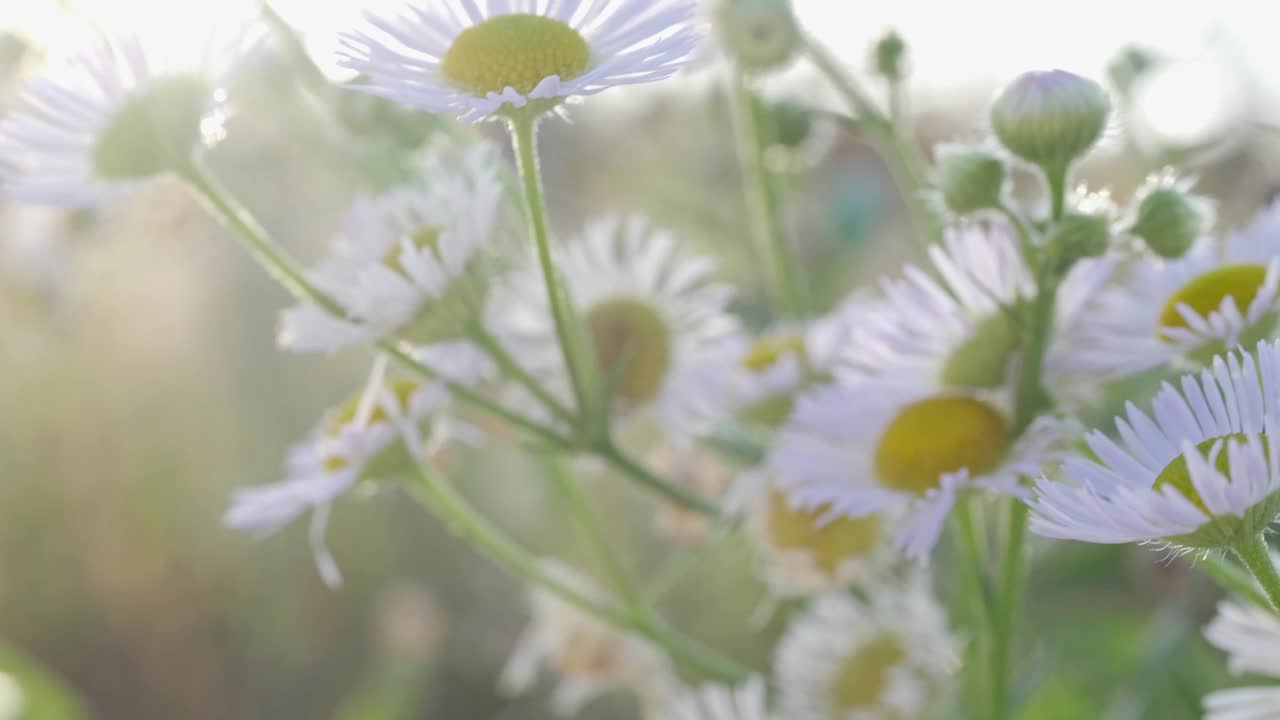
1169 221
890 55
1080 235
971 179
1050 118
1128 66
760 35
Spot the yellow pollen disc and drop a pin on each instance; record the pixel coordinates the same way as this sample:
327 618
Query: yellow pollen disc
792 528
937 436
1205 293
426 238
1177 475
517 51
768 351
865 676
345 414
633 347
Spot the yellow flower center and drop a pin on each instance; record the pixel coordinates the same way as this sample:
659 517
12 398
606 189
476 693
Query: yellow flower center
345 415
517 51
939 435
633 347
1206 292
424 239
865 676
983 359
792 528
768 351
1178 476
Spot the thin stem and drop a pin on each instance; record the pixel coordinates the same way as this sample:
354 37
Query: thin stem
762 197
596 537
1256 555
1234 579
623 462
981 601
1012 568
1057 178
524 139
454 509
513 369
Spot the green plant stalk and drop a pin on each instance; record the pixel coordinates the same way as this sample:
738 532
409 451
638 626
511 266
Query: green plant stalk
454 509
524 138
981 603
1233 579
595 536
762 198
513 369
1256 555
277 263
905 161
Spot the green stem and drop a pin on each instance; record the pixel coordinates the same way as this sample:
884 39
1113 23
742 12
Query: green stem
981 601
1057 178
596 537
903 158
513 369
762 197
1233 579
454 509
1256 555
524 138
623 462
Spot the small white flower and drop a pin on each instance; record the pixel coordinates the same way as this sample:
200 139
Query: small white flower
479 58
874 447
405 261
1251 638
885 658
1202 474
651 310
714 702
130 108
378 431
591 657
1219 295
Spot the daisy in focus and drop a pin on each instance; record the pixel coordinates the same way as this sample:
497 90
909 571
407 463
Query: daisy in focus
884 658
590 657
719 703
381 432
125 110
481 58
650 308
874 447
1202 473
407 263
1251 638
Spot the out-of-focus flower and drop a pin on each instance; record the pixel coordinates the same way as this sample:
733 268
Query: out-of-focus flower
650 308
1221 294
1251 638
714 702
590 657
410 624
409 262
121 112
883 658
1201 475
873 447
487 58
12 700
756 35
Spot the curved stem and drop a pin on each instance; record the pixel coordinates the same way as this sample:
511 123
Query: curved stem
513 369
524 139
596 537
1256 555
610 452
763 198
1233 579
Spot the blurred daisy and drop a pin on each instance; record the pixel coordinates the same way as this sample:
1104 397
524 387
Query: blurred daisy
1201 475
1219 295
1251 638
118 113
651 310
406 262
956 329
479 58
591 658
873 447
378 433
884 658
714 702
805 551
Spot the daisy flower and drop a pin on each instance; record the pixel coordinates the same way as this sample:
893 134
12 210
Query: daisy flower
406 261
1217 296
714 702
1201 474
954 328
379 432
651 309
120 112
591 657
873 447
884 658
480 58
1251 638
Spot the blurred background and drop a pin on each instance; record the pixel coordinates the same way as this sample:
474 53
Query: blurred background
139 381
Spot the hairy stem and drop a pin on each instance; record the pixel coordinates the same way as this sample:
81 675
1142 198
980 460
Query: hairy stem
1256 555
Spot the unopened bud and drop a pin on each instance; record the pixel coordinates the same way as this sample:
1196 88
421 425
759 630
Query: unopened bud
1080 235
1050 118
1169 221
760 35
890 56
971 179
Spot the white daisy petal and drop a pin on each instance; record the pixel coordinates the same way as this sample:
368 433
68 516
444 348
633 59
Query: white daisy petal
719 703
1251 638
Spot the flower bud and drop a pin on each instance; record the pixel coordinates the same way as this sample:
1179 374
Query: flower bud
1050 118
1127 67
890 56
971 179
1080 235
1169 221
760 35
